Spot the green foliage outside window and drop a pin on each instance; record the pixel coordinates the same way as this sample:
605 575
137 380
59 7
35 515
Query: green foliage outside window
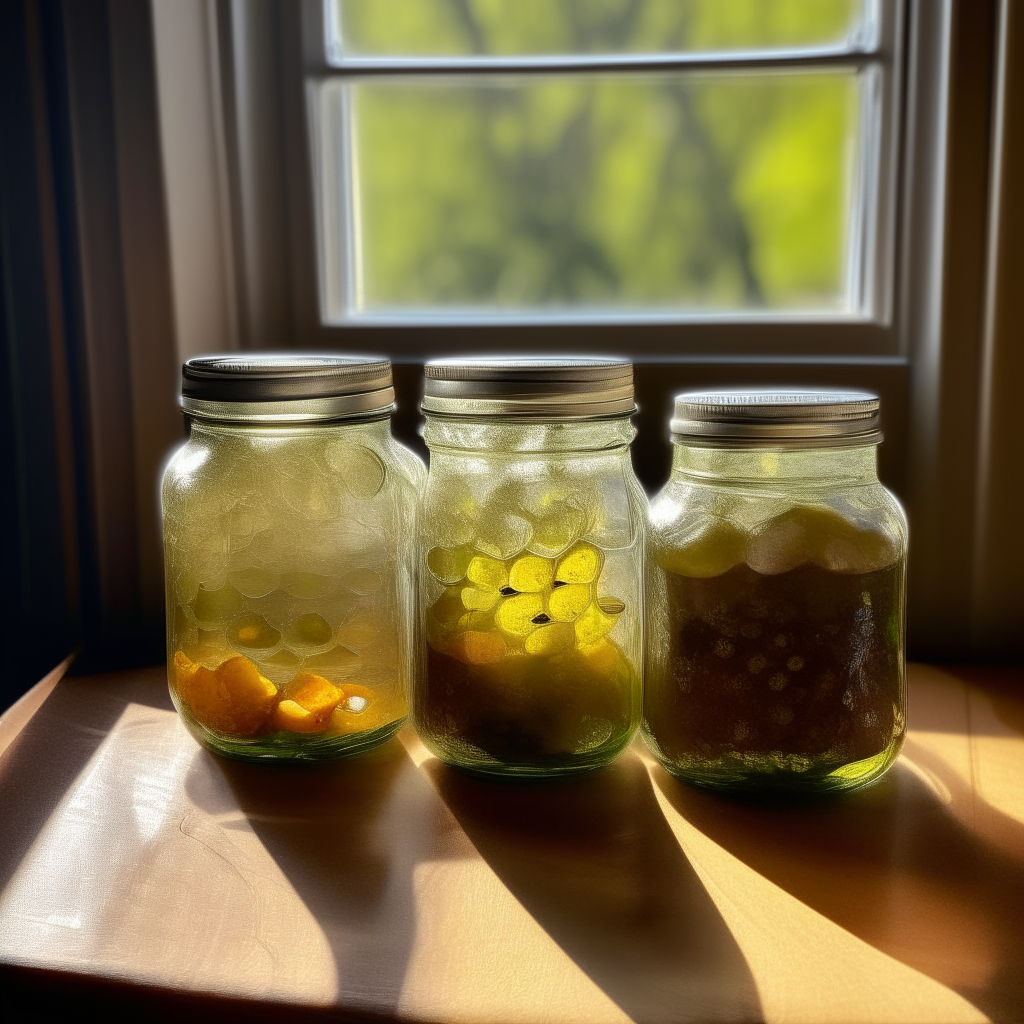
668 190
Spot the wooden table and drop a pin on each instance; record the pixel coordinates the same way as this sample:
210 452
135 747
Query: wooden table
141 873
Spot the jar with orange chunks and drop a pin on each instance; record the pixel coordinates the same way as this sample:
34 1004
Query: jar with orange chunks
289 530
775 596
531 567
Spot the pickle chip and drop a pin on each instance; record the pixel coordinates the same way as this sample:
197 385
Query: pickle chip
359 630
556 529
312 629
253 631
820 536
594 624
449 565
448 608
581 564
565 603
714 551
516 614
555 638
487 572
503 535
479 599
213 607
531 574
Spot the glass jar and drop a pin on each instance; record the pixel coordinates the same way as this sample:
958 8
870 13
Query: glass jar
775 595
289 523
531 565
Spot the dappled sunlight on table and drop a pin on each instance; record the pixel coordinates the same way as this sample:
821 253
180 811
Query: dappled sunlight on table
389 886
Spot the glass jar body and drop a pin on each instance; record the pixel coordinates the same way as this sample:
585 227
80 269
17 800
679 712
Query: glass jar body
775 620
531 564
289 562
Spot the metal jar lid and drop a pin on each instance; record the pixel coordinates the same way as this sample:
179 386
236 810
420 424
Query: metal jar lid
286 387
529 388
776 417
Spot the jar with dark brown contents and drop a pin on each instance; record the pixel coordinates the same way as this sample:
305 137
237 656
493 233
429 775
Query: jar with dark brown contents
775 595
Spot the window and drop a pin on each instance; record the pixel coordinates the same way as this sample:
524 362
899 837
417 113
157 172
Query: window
711 163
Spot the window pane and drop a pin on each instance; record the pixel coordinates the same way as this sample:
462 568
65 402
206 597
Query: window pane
674 192
533 27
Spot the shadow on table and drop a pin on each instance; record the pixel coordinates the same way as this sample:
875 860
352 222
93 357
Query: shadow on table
346 837
893 865
593 860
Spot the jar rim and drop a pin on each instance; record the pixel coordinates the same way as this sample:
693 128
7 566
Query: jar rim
529 389
777 417
286 387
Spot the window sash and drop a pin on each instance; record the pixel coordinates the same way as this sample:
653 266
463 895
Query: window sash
867 40
868 330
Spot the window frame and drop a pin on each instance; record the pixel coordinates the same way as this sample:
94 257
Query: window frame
871 332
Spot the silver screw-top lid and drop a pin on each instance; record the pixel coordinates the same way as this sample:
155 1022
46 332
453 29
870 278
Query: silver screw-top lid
286 387
779 417
538 388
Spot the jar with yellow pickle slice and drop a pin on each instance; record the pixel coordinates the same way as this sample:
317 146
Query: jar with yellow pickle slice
289 542
775 596
531 566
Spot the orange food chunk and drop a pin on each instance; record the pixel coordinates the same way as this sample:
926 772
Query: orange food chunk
294 718
184 669
233 699
312 695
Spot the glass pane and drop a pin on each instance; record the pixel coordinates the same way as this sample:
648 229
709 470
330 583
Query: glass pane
675 192
533 27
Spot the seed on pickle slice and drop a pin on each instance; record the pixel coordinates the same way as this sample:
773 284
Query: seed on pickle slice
555 638
487 572
531 574
565 603
449 565
516 614
581 564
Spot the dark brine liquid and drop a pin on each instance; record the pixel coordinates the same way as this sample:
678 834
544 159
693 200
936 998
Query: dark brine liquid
796 672
531 709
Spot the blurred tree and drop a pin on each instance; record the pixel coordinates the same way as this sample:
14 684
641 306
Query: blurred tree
712 190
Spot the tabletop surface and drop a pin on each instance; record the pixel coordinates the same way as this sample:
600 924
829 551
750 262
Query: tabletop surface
390 887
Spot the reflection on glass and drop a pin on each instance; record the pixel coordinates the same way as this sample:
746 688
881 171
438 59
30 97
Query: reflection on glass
532 27
602 192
